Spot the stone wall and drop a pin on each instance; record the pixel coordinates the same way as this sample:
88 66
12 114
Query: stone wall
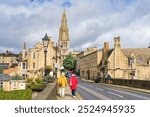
49 93
132 83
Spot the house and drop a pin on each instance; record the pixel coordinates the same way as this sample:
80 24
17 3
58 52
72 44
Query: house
125 63
7 83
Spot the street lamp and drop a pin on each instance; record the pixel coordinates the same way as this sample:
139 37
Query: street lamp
58 49
53 65
131 61
45 41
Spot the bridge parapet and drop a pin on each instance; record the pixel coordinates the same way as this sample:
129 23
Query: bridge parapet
49 93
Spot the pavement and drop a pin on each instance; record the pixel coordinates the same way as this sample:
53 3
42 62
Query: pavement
68 95
120 86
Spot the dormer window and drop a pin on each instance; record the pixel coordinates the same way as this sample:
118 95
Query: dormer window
140 59
131 60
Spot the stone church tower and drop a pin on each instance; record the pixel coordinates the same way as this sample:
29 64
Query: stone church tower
64 41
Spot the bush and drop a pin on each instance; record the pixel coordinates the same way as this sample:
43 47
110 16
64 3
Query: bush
16 95
29 82
38 87
49 78
17 77
38 80
48 69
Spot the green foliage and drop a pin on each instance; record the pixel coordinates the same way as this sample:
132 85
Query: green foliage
48 69
17 77
38 81
16 95
68 62
38 87
1 69
30 82
36 84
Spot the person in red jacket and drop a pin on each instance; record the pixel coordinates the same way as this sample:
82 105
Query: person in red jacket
73 84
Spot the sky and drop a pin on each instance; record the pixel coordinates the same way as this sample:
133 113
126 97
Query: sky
90 22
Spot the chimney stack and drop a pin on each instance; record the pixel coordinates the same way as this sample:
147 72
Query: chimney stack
117 42
106 46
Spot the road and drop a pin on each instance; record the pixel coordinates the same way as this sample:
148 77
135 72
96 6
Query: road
97 91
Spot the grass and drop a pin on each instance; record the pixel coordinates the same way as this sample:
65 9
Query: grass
16 95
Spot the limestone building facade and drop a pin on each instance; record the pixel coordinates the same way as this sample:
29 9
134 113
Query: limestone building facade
35 58
87 62
126 63
8 59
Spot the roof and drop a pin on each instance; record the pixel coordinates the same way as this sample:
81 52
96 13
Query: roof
4 65
9 55
4 77
142 54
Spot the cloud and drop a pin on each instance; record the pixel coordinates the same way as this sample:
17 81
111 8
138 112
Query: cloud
90 23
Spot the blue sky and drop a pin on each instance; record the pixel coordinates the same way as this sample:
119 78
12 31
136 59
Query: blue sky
90 22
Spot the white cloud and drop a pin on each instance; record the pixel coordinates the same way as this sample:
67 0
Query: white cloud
89 22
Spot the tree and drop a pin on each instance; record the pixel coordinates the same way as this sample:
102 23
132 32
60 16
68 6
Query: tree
68 62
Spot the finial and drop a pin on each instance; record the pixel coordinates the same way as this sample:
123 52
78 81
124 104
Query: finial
24 45
64 12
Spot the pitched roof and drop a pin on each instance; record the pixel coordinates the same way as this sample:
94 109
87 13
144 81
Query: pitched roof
9 55
142 54
4 77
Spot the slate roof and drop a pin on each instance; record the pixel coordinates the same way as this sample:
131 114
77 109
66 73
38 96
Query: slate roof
142 55
9 55
4 77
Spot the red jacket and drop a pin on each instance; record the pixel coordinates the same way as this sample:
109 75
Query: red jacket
73 82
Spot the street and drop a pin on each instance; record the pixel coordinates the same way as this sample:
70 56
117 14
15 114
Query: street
98 91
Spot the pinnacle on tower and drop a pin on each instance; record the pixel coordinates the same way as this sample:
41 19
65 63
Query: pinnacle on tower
24 45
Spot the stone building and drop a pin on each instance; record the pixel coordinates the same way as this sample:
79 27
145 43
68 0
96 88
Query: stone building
87 62
128 63
64 41
74 53
8 59
7 83
35 58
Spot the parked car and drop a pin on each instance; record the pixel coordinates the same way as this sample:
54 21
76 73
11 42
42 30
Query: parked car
77 76
68 74
97 80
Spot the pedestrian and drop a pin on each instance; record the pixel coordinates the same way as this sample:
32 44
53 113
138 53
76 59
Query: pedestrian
109 79
73 84
62 83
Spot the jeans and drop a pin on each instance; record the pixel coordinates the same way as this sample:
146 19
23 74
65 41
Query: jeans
73 92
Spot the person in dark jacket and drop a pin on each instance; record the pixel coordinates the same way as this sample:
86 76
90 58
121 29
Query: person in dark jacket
73 84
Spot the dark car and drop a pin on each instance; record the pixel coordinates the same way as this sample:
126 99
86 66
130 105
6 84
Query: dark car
97 80
68 74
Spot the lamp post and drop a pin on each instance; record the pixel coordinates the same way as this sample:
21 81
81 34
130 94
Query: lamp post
131 60
45 41
58 48
53 65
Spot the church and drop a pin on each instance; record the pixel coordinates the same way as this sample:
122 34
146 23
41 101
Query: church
32 64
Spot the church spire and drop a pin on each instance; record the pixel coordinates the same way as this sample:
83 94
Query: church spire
64 41
63 30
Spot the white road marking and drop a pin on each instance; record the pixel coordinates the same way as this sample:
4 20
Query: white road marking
91 86
116 94
128 93
99 89
94 93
